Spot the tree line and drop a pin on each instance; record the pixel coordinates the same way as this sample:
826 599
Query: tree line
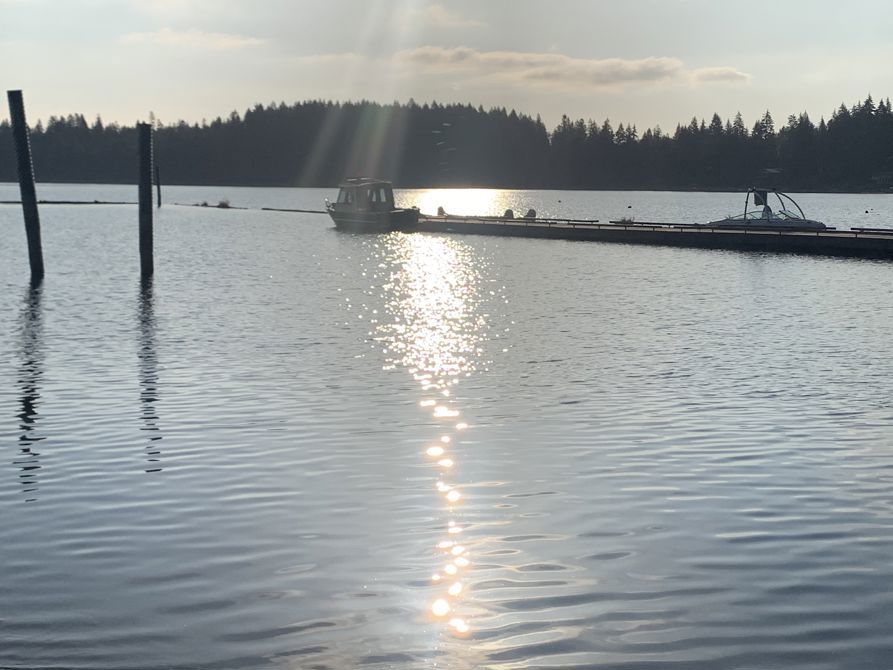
317 143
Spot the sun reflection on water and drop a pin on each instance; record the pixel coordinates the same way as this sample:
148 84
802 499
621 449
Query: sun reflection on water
460 201
435 329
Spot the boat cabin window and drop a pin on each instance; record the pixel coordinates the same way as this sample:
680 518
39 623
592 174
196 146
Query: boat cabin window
345 196
380 197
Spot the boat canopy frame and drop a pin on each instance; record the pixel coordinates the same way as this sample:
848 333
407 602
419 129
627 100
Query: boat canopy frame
763 193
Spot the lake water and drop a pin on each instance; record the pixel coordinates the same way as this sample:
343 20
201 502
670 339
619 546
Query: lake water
298 448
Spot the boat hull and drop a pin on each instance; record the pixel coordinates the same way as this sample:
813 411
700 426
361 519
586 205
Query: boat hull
376 222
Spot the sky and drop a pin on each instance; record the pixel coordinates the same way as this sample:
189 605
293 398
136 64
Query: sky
645 62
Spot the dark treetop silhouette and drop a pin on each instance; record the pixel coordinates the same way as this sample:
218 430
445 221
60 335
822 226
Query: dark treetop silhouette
319 143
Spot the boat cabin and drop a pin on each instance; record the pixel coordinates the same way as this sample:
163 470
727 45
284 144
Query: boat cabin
365 195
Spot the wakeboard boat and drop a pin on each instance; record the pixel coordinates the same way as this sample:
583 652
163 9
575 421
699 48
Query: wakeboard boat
789 215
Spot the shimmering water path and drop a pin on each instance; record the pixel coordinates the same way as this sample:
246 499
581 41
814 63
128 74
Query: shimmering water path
304 449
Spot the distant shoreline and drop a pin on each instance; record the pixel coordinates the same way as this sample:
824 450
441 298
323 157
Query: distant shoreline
467 186
460 146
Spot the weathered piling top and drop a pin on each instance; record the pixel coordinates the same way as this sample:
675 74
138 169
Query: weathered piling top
856 242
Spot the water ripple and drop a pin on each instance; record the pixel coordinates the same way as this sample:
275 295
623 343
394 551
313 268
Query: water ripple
608 456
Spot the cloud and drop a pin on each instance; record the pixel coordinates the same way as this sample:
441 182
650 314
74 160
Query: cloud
439 16
195 39
465 67
709 75
540 69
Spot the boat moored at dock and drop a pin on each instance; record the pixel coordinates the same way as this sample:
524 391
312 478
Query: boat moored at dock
784 218
366 205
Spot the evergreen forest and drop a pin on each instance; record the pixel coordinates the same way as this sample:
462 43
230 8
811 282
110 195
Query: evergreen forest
317 143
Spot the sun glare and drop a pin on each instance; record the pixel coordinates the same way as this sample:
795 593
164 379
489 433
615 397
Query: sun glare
433 327
465 201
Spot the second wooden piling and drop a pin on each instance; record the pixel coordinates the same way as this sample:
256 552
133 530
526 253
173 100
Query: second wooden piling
147 262
26 182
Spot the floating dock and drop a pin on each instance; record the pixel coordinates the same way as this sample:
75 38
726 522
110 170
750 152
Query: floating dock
856 242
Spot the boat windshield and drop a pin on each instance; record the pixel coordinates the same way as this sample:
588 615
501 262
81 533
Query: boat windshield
380 197
345 196
758 215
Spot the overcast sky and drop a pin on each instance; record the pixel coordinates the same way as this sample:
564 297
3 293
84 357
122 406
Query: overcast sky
647 62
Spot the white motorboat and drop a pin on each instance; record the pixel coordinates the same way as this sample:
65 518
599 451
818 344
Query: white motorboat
789 216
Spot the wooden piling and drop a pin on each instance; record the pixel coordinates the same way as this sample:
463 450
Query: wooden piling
147 263
26 182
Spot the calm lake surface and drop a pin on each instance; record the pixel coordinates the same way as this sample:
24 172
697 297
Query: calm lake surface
298 448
